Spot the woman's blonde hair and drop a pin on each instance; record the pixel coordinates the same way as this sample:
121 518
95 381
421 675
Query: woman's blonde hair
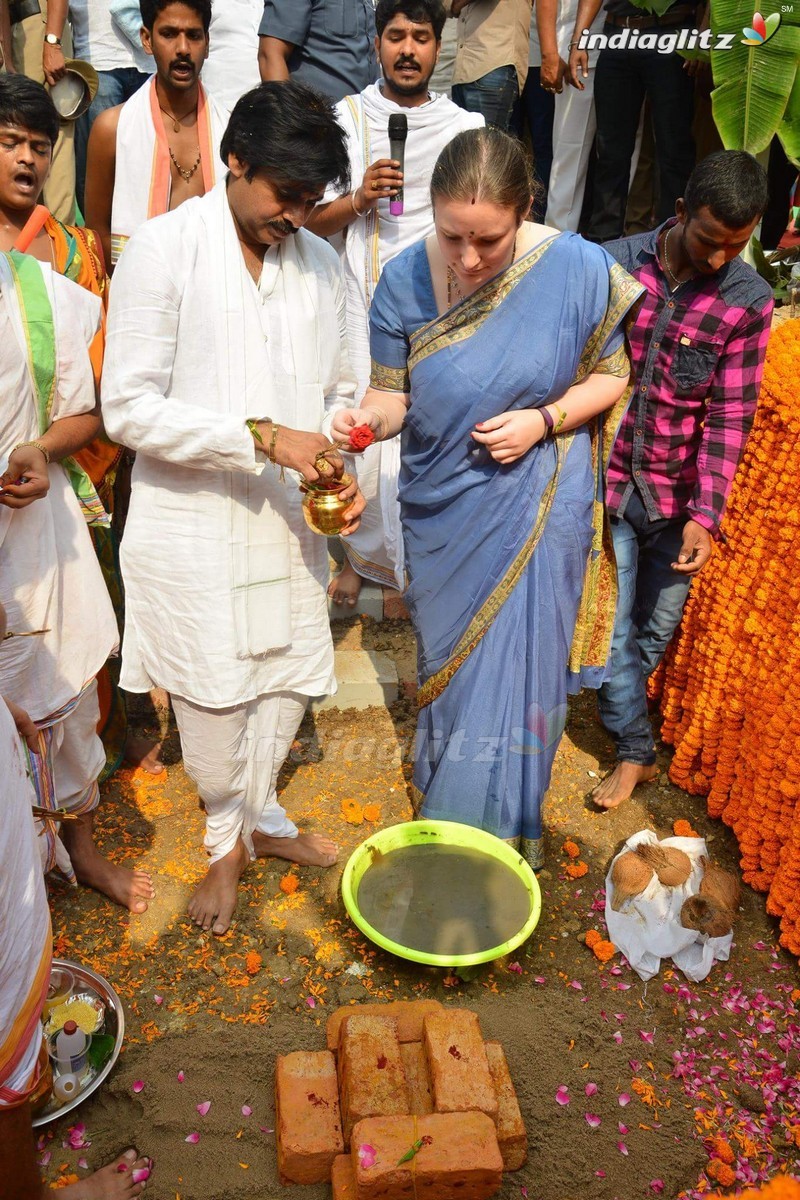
484 165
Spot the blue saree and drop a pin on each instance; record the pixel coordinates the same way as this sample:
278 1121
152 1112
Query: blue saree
511 585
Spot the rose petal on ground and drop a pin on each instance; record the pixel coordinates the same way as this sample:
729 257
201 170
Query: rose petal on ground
623 1149
192 1139
591 1089
264 1129
181 1076
646 1037
515 967
657 1186
246 1110
83 1163
617 1036
599 1174
575 984
204 1107
539 979
138 1086
562 1095
622 1128
45 1159
158 999
311 1002
592 1120
623 1098
367 1156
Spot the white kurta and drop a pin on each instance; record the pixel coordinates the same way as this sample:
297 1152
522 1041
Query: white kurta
49 575
225 584
375 549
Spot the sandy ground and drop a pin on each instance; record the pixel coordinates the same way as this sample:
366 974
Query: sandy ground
219 1010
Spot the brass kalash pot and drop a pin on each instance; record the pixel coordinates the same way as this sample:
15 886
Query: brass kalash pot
323 505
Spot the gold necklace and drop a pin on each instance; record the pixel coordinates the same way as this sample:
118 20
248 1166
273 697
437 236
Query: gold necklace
177 120
452 279
670 272
182 171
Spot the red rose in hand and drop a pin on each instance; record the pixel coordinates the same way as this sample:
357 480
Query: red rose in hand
361 437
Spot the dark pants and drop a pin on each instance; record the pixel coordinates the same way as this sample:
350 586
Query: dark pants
538 108
114 87
651 600
623 79
493 95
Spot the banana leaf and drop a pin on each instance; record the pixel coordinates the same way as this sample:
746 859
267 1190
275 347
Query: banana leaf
659 7
753 85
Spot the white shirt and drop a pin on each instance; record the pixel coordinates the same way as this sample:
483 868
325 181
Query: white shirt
49 575
231 68
97 40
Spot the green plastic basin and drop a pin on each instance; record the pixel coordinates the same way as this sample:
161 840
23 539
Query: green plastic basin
444 833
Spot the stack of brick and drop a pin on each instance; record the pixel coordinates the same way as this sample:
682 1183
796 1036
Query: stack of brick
425 1108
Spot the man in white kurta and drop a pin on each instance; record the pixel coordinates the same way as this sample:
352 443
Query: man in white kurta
219 316
50 581
371 236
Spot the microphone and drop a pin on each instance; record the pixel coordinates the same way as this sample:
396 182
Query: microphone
398 132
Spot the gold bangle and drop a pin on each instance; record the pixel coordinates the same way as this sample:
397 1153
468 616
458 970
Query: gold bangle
353 203
383 421
38 445
272 441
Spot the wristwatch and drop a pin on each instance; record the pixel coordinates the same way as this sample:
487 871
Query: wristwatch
52 40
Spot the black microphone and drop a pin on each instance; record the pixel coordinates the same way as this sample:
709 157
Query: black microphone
398 132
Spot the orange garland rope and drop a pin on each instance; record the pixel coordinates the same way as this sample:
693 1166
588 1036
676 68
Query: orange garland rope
730 688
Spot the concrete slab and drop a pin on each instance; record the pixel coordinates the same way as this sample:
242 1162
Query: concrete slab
370 604
366 679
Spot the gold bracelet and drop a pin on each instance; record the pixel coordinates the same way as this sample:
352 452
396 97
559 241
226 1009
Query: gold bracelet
383 421
271 450
38 445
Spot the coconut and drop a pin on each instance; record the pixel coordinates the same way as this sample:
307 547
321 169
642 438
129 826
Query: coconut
721 887
630 876
706 916
671 865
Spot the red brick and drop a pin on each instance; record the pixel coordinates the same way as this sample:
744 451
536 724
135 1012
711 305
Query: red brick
462 1161
372 1081
459 1068
394 608
510 1127
307 1120
418 1080
409 1014
343 1178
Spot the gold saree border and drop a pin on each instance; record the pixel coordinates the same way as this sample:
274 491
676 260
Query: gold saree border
531 849
466 318
435 685
389 379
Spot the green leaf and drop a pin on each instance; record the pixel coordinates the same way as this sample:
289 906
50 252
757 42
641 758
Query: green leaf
412 1153
789 128
753 84
100 1051
659 7
765 269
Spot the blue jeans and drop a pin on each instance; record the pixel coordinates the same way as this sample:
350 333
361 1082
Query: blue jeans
115 87
651 600
493 95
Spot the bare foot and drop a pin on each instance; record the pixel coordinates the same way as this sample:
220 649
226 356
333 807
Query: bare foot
122 1178
214 901
141 752
619 785
131 889
346 587
308 849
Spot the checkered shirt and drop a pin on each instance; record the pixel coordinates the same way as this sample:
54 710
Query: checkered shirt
697 358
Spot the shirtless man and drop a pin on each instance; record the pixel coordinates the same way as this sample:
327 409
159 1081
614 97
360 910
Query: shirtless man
161 147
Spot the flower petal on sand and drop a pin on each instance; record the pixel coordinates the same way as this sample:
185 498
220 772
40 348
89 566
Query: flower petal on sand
592 1120
562 1095
193 1139
204 1107
247 1110
138 1086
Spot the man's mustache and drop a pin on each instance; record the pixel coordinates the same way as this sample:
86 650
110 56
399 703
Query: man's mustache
407 62
281 226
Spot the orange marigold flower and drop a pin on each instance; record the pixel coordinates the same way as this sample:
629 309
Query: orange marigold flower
721 1149
592 937
683 828
64 1181
570 848
253 961
372 812
604 950
720 1171
576 870
289 884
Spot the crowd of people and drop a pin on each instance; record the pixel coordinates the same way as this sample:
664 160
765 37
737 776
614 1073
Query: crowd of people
207 281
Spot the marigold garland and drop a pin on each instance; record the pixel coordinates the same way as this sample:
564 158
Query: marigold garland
571 849
576 870
730 688
591 938
603 951
683 828
783 1187
720 1171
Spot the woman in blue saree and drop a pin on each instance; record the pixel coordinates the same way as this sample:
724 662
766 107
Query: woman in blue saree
498 348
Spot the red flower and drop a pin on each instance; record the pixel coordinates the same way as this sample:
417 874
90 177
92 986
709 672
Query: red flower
361 437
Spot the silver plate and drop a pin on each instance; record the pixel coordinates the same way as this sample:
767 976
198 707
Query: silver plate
114 1024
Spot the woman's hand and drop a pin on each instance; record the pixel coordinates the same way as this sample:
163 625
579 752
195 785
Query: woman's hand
348 419
511 434
25 479
353 513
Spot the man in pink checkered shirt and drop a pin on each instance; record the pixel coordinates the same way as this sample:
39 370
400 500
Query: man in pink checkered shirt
697 348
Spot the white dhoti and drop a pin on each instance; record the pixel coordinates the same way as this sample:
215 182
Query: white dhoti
234 755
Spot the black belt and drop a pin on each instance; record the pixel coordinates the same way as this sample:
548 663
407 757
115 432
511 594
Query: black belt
18 10
679 16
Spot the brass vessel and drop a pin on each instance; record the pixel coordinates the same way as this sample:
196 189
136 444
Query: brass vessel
323 506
